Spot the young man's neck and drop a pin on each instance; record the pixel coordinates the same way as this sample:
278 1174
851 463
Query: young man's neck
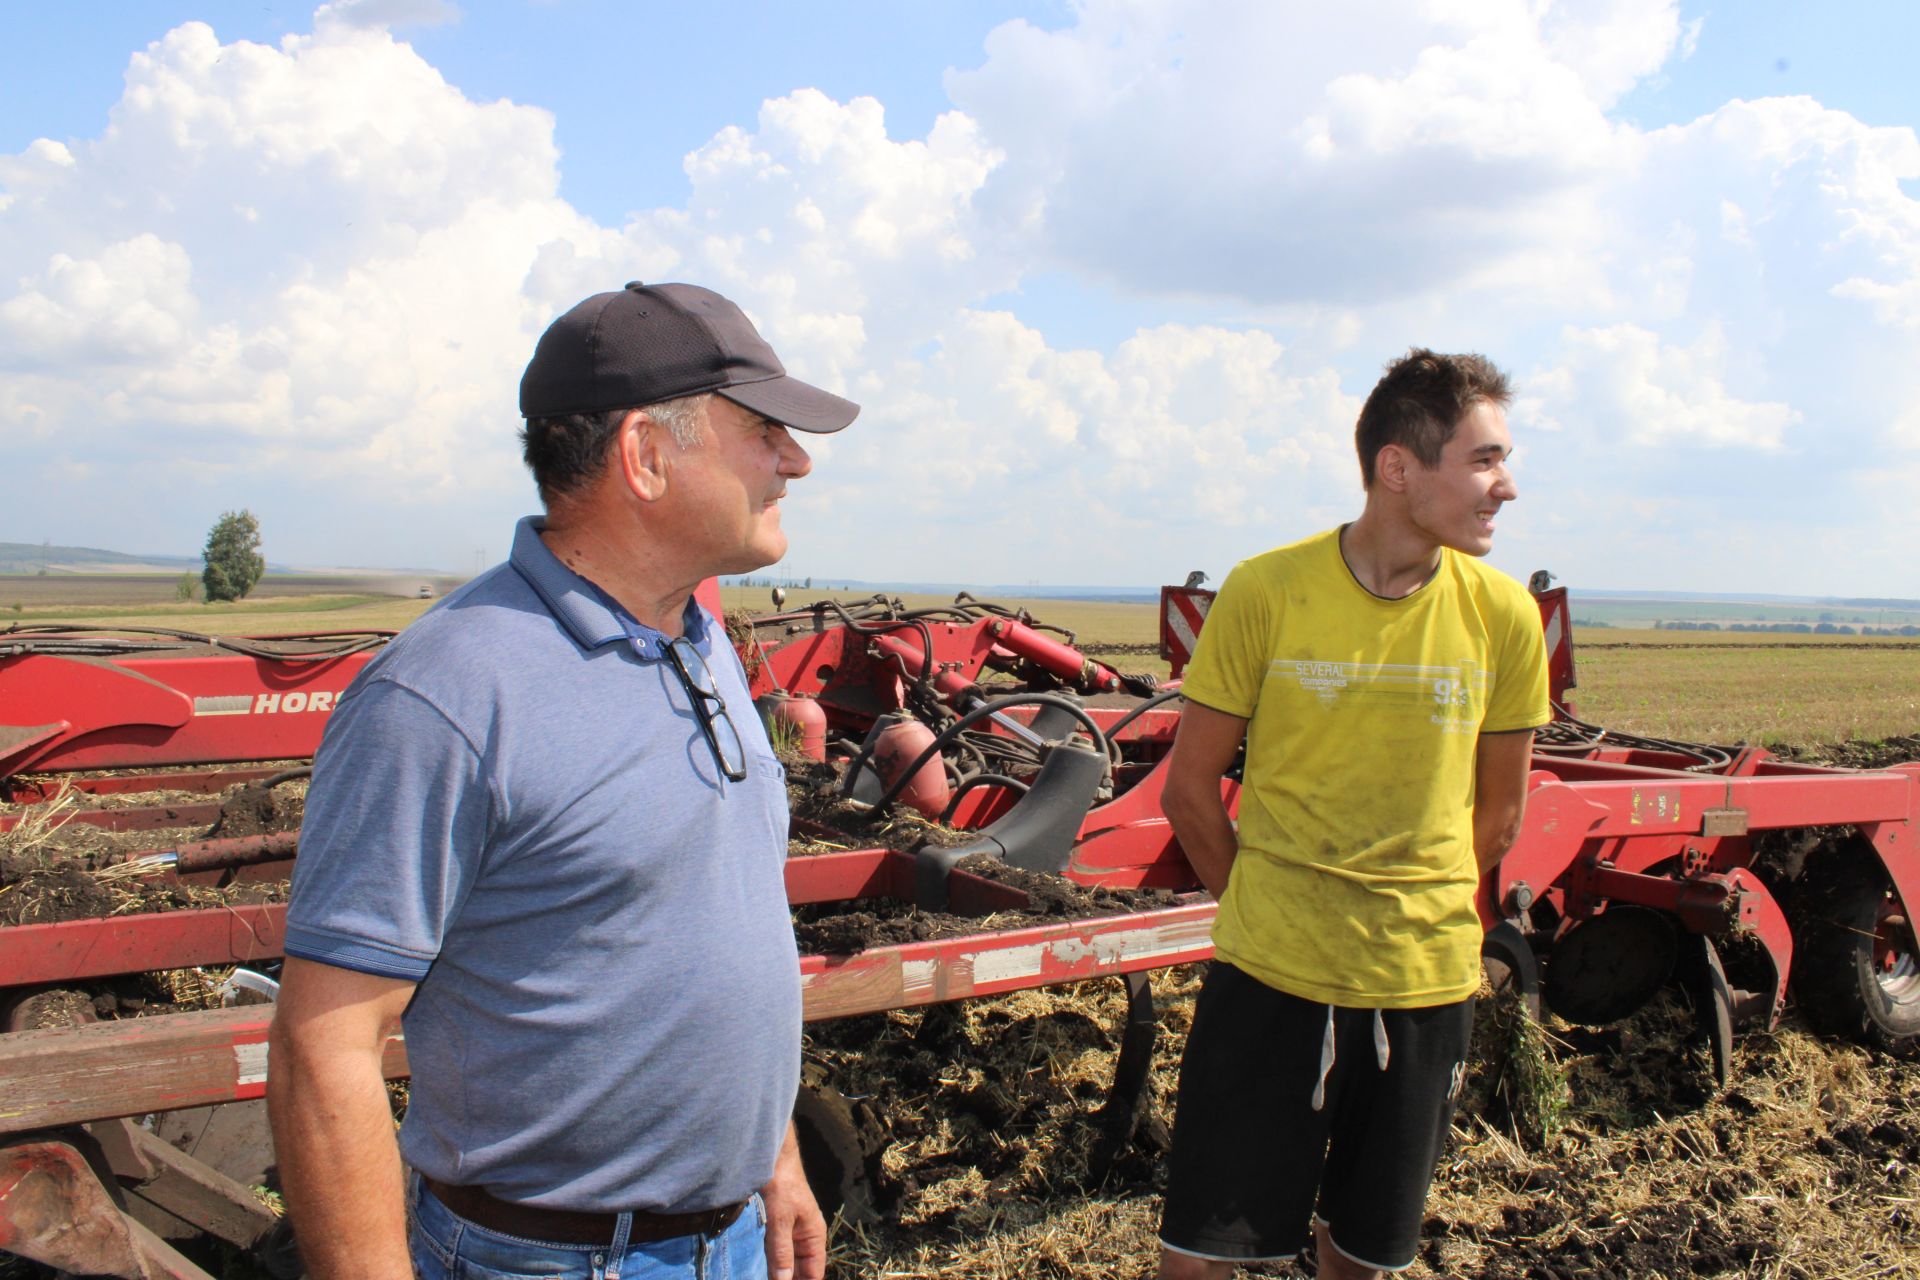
1386 556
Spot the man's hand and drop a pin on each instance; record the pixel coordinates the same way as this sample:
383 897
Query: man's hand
796 1233
1203 750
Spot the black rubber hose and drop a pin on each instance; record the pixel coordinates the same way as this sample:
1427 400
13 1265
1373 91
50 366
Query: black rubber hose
809 612
1113 734
884 628
940 611
982 780
54 638
981 712
999 747
1565 732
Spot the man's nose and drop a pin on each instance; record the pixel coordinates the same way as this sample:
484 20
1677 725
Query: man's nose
1503 487
794 460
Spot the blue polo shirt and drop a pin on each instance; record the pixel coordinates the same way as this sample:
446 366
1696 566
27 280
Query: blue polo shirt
514 806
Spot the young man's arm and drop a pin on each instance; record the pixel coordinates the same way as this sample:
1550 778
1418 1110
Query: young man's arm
1203 751
332 1124
1499 794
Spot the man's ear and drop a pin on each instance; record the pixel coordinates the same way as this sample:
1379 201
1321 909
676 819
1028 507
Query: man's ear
1390 468
644 460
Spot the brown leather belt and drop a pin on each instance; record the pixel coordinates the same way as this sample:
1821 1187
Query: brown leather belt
563 1226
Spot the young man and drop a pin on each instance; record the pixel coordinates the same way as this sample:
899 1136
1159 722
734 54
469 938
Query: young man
1386 684
531 819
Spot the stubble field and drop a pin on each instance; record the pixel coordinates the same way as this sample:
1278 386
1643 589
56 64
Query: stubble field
1699 686
1808 1166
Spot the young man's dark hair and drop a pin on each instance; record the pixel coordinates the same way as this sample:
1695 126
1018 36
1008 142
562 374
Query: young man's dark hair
1418 402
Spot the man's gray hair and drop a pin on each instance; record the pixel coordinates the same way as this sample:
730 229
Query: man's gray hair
566 452
682 417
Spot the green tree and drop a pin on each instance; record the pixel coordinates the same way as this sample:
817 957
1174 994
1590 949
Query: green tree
186 588
234 562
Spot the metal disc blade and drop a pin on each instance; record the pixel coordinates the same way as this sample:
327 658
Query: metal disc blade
1605 968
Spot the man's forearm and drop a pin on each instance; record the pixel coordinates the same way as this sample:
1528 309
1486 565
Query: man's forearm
1206 836
1501 764
1494 834
339 1164
796 1243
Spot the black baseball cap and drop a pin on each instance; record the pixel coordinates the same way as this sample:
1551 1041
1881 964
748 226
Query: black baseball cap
653 342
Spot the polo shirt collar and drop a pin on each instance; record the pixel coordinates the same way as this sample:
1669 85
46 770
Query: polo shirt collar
589 614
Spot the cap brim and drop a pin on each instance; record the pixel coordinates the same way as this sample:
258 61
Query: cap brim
793 403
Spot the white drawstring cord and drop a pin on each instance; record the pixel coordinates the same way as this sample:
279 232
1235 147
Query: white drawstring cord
1382 1052
1326 1064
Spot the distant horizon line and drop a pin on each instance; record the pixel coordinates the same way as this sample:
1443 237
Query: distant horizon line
123 562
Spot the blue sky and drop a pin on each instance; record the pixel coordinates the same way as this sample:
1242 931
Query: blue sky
1110 278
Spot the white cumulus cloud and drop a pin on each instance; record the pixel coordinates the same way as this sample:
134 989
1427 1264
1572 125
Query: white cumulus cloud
305 277
1647 391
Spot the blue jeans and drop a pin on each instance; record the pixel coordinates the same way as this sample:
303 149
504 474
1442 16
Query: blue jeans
447 1247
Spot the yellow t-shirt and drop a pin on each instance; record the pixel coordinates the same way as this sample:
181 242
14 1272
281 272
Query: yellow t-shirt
1354 883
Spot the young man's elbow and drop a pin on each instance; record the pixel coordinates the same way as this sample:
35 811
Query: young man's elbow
1185 800
1499 838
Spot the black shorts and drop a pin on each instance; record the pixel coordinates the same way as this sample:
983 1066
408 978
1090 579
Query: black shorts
1252 1151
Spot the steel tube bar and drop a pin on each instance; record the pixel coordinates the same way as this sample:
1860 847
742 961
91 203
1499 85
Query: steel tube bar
114 1069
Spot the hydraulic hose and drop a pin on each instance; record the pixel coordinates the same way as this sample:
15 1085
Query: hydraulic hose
980 713
1565 733
886 628
52 638
1113 733
981 780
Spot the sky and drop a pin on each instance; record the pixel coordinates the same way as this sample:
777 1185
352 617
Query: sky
1110 278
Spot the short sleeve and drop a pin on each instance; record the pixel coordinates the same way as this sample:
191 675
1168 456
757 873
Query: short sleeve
1230 659
397 823
1519 698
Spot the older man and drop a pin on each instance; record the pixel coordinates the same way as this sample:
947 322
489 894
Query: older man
545 836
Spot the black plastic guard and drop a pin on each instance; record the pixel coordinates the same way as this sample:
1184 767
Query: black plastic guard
1037 834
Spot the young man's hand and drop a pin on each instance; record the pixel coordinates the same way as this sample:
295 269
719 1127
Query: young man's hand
1203 750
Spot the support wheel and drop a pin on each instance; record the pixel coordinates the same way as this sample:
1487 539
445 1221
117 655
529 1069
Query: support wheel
1857 972
840 1145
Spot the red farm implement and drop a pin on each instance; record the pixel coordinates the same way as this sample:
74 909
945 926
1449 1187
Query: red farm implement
1641 863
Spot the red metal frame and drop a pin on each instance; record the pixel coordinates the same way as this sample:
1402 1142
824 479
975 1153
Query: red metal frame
174 707
1608 824
111 1069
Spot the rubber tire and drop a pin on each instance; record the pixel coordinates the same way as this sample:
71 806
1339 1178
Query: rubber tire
1836 980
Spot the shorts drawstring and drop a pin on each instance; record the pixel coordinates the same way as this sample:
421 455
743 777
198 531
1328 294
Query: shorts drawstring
1382 1051
1326 1064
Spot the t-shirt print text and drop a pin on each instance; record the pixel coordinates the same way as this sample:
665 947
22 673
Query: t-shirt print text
1454 701
1451 696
